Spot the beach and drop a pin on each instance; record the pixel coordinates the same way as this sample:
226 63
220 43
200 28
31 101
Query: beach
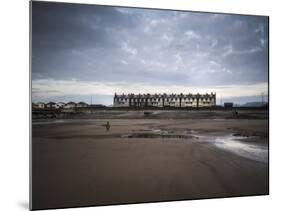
148 157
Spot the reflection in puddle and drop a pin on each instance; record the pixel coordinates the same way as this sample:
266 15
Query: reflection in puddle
242 146
156 135
236 145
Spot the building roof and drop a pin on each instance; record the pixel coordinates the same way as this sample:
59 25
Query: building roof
82 103
165 95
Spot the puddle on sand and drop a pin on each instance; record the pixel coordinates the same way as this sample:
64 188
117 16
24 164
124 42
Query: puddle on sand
239 145
248 150
160 132
157 133
48 122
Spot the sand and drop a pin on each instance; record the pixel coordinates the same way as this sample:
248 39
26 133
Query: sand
76 162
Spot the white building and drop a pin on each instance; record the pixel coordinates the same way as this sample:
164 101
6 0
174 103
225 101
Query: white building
70 105
60 105
165 100
50 105
40 105
81 105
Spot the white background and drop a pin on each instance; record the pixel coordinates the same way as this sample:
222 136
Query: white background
14 103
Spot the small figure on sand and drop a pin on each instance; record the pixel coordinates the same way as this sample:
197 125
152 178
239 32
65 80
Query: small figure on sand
107 126
235 113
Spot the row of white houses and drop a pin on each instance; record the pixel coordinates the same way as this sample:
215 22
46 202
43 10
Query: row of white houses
165 100
53 105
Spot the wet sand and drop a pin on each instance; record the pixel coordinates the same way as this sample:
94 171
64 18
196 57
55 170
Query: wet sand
79 163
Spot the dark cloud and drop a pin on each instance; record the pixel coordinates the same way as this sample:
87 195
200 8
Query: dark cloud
60 26
100 43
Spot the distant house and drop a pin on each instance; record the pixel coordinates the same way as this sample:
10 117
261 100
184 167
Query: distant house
50 105
81 105
40 105
70 105
60 105
34 105
228 105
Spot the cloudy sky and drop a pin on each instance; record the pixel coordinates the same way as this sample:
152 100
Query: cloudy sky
79 51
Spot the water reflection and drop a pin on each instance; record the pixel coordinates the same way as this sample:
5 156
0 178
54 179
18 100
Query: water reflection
253 151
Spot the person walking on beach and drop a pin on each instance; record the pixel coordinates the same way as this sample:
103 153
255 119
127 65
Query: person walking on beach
107 126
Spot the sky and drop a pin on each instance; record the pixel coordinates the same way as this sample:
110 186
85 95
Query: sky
81 52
